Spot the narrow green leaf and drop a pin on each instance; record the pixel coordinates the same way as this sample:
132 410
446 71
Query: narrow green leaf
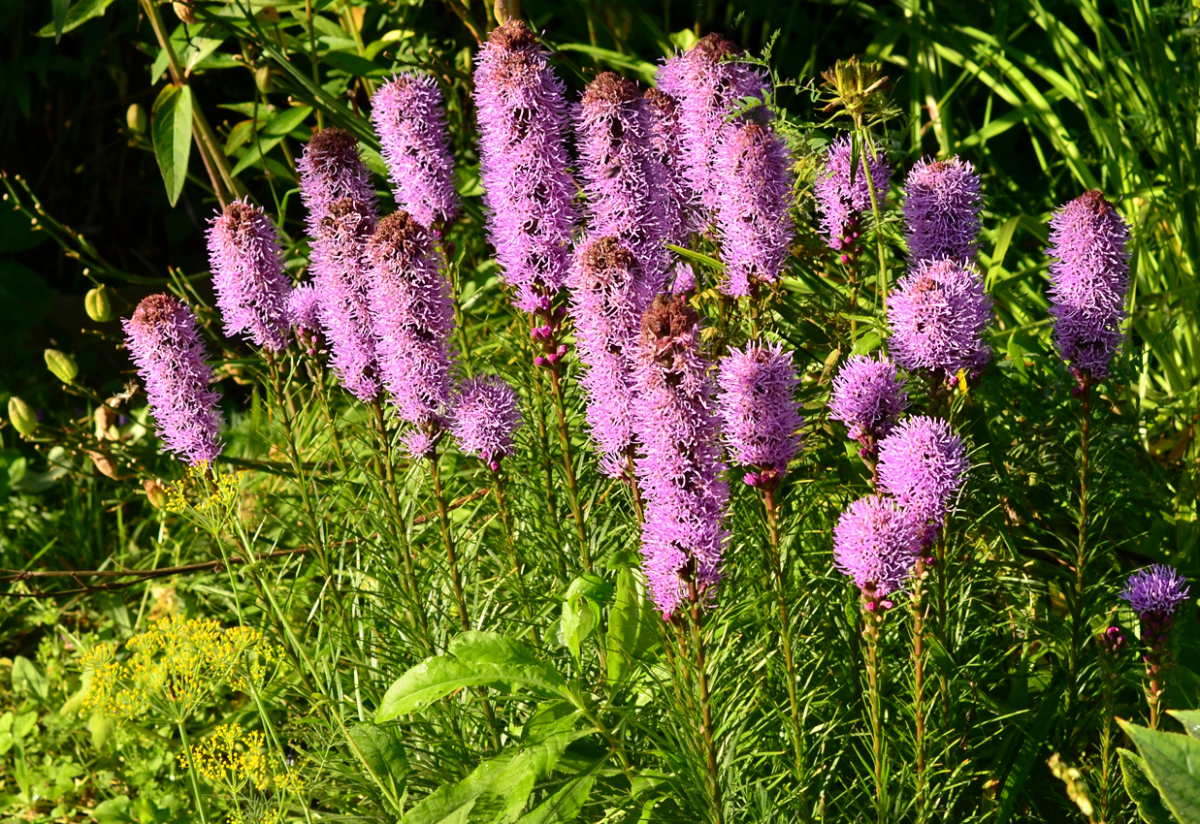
1173 763
1003 241
621 62
254 154
77 15
564 805
285 121
59 7
1137 784
697 257
1034 738
867 343
171 130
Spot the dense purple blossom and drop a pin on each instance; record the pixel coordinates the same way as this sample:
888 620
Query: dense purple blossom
684 281
247 266
164 342
753 209
923 463
304 308
339 269
709 82
1155 591
666 141
1089 282
938 315
876 543
330 170
413 318
843 194
410 119
756 400
942 201
485 417
679 456
528 192
868 397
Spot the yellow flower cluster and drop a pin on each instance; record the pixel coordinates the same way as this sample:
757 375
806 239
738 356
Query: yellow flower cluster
236 758
216 500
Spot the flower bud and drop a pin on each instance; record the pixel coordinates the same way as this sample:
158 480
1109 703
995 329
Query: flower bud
98 304
105 464
156 492
262 79
105 418
22 416
507 10
136 119
62 365
185 12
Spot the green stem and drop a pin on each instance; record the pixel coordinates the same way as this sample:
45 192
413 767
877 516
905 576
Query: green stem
873 623
706 724
918 656
564 436
513 557
1077 617
192 773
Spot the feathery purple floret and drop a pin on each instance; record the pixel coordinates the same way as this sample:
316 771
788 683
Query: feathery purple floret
876 543
753 209
1155 592
410 120
485 417
757 404
679 462
164 342
304 308
923 464
938 315
339 269
528 192
247 266
413 318
868 397
1089 282
942 202
666 142
331 170
844 194
684 281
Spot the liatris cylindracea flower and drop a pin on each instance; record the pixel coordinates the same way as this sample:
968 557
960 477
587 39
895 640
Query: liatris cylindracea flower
667 145
165 345
413 318
679 461
709 83
923 463
684 282
330 170
844 195
608 298
523 161
305 311
938 315
756 400
339 269
868 397
1155 593
410 120
485 417
625 182
942 201
1089 282
247 265
876 542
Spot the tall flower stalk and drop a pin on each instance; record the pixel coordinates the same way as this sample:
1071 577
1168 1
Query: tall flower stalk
1155 594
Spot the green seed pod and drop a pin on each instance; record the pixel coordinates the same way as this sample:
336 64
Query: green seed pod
22 416
262 79
136 119
156 492
62 365
98 305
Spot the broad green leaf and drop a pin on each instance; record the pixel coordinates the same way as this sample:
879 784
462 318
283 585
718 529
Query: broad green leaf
624 626
239 135
492 648
438 677
189 48
113 810
24 723
1173 763
77 15
284 122
384 753
171 129
869 342
1137 784
101 727
564 805
26 675
579 618
1190 719
59 8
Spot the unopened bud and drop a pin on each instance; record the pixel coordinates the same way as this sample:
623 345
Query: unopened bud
106 418
62 365
98 304
507 10
184 11
22 416
103 463
262 79
155 492
136 119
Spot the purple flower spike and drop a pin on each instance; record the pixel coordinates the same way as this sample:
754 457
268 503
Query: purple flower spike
868 397
413 317
165 345
1155 592
757 403
938 315
410 120
304 308
330 170
486 415
843 202
923 463
666 141
679 462
876 543
941 210
247 265
528 192
1089 282
753 210
339 270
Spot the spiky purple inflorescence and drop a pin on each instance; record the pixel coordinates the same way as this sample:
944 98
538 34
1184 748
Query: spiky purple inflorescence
679 456
942 202
709 83
1089 282
339 269
608 297
413 318
666 142
164 342
304 307
938 315
485 417
247 266
528 192
868 397
1155 591
410 120
330 170
876 543
923 463
753 210
843 194
756 400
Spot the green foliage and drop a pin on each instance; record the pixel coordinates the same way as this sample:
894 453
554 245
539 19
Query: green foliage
1171 762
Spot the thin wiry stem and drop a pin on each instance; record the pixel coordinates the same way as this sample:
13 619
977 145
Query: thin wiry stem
1075 652
874 621
514 557
706 724
564 437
